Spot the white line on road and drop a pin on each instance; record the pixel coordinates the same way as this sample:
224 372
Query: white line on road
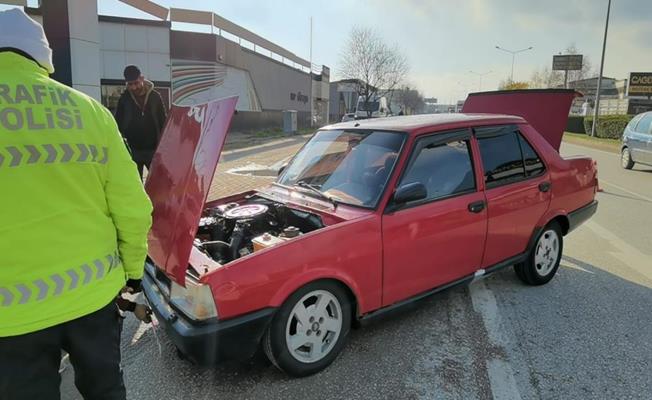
501 375
625 190
628 254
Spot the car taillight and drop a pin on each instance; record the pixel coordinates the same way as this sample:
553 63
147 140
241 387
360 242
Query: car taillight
195 300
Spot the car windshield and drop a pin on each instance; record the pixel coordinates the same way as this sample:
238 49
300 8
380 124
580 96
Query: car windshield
346 166
370 106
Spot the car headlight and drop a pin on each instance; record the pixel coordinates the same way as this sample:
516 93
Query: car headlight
195 300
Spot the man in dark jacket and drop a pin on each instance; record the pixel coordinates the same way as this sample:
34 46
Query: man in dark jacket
140 116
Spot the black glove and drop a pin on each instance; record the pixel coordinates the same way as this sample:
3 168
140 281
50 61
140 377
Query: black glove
135 285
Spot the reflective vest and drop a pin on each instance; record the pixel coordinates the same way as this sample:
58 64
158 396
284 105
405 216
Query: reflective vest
73 213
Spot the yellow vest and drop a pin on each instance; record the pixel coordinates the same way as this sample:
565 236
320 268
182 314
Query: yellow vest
73 213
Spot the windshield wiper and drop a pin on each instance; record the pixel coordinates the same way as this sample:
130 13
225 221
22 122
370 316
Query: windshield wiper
313 189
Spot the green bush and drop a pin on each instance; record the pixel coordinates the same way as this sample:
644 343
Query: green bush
575 124
608 126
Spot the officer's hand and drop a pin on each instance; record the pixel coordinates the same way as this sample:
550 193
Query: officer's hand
132 286
143 313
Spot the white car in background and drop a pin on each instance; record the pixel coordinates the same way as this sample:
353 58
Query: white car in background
348 117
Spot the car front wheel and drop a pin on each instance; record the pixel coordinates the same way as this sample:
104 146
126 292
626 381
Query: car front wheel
543 261
309 330
626 159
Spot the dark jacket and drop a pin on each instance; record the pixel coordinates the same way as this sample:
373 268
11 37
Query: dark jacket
141 128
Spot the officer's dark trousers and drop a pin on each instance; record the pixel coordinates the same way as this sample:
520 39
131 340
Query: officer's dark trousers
29 364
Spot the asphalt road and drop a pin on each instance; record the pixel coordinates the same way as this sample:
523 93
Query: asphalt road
585 335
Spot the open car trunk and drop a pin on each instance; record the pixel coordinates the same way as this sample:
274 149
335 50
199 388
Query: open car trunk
545 109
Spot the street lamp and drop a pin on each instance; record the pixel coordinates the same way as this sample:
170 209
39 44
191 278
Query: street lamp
513 53
480 74
596 112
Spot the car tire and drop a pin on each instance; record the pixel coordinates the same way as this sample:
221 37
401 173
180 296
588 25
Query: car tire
626 159
309 330
544 258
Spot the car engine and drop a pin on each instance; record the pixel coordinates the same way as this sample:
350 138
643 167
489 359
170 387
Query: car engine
230 231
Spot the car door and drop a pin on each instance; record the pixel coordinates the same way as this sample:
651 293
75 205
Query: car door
646 137
638 140
517 187
440 238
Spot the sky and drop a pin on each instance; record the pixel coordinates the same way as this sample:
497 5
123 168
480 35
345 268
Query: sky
444 40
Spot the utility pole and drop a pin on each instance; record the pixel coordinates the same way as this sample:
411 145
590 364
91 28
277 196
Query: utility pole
480 75
513 53
596 112
311 109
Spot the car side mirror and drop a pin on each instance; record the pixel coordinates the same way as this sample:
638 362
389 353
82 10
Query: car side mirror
280 170
410 192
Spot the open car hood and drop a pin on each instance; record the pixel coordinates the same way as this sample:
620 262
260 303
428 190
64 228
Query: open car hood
545 109
180 177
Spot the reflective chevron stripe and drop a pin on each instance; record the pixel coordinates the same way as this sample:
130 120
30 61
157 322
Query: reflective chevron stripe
49 153
56 284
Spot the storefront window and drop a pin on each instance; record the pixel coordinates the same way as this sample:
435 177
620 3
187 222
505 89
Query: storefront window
111 94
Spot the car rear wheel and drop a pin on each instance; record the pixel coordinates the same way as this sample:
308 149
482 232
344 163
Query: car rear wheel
309 330
543 261
626 159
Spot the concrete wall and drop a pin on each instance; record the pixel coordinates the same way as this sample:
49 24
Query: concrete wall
73 32
245 121
279 87
147 46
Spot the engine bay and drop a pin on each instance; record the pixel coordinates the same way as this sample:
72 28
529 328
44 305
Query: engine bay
233 230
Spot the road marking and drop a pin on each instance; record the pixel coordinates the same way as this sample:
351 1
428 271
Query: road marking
142 328
625 190
501 374
565 262
627 254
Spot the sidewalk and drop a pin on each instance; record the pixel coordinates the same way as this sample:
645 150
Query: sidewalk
238 140
252 157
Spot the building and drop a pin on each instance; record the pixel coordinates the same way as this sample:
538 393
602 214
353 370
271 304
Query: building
91 51
613 97
343 98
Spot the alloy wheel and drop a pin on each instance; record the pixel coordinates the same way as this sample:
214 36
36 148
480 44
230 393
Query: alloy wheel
314 326
547 252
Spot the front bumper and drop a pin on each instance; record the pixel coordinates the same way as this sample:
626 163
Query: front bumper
579 216
206 342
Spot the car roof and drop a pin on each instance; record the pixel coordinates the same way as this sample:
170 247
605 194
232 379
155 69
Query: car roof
416 123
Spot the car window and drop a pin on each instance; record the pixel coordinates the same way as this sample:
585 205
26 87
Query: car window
533 164
634 121
445 169
501 155
643 125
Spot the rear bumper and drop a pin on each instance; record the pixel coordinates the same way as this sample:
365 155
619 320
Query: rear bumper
579 216
206 342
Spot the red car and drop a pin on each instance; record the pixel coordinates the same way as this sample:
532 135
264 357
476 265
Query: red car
368 216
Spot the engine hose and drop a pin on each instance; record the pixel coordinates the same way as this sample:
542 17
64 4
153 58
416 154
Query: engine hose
236 240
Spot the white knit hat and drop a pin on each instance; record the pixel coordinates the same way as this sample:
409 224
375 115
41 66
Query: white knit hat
19 31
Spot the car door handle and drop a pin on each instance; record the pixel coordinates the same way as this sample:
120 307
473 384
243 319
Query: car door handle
476 206
544 186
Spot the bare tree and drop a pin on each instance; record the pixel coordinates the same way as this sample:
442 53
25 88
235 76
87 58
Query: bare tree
587 67
410 100
507 84
547 78
377 67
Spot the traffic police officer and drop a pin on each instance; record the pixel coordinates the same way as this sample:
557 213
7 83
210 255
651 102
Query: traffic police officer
73 224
